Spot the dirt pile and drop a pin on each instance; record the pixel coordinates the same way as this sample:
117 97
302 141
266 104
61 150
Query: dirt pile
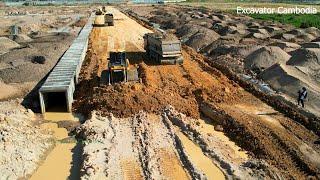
265 57
286 46
6 45
202 38
308 58
289 79
22 144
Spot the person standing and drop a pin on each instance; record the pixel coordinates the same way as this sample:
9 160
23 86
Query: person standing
302 96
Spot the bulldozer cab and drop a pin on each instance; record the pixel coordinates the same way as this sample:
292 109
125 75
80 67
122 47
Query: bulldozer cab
117 67
117 59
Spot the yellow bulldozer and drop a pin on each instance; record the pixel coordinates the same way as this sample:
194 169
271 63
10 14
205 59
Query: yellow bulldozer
119 69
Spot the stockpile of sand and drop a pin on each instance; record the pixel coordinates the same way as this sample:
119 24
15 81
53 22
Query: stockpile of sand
311 45
289 79
306 57
186 31
6 45
265 57
202 38
284 36
313 31
286 46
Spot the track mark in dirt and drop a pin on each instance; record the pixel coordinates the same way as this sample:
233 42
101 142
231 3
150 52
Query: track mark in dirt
131 170
210 170
170 165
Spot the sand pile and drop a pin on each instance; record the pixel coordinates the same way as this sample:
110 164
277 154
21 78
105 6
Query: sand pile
6 45
187 31
311 45
313 31
309 58
265 57
202 38
257 36
289 79
286 46
284 36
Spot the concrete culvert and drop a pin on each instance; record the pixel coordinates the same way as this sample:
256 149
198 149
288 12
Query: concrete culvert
265 57
39 59
55 101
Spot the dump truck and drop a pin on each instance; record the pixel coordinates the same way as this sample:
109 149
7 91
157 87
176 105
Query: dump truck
163 48
119 69
108 19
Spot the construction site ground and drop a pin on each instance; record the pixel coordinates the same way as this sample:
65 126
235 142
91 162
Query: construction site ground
276 146
187 121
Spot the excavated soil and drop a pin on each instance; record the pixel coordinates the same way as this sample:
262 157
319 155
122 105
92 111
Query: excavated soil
282 147
229 40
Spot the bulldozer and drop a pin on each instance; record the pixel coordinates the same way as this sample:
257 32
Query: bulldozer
163 48
119 69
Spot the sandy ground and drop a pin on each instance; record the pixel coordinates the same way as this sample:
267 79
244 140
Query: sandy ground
22 144
184 121
194 88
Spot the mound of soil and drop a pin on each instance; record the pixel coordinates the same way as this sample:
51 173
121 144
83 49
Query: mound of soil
202 39
311 45
239 50
272 29
306 37
309 58
313 31
261 31
284 36
187 31
284 45
6 45
257 36
289 79
265 57
297 32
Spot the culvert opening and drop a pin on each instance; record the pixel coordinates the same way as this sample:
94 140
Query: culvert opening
56 102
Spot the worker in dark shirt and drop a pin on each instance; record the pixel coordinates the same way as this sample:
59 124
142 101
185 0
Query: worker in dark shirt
302 96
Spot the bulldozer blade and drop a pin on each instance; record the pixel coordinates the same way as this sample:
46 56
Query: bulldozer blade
132 75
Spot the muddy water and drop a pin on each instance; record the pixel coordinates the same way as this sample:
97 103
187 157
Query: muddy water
209 129
202 162
64 160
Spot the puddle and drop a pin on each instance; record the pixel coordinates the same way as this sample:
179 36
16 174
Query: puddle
202 162
64 160
209 129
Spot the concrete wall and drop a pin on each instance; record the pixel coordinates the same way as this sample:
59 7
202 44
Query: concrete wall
64 75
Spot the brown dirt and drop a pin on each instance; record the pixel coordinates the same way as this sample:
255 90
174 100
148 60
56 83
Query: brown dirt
80 23
255 126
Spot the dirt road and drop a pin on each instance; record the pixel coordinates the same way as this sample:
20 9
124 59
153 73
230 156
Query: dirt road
277 146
